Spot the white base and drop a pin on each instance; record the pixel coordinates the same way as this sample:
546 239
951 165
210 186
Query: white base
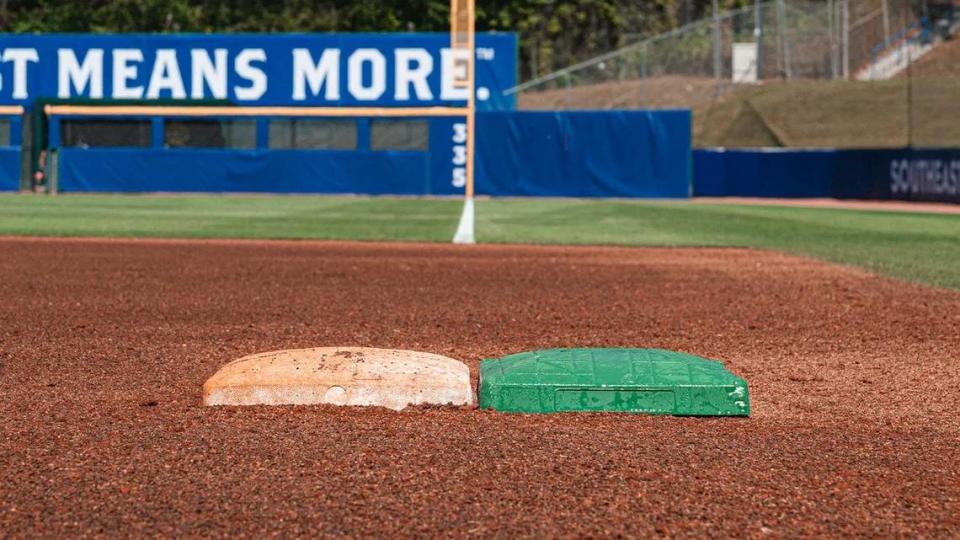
341 376
464 233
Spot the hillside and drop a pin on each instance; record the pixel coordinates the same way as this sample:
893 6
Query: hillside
942 61
841 114
664 92
844 114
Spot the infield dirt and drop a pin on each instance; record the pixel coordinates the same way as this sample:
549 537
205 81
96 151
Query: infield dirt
104 345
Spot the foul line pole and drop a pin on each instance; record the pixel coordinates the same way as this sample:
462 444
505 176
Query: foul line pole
465 229
471 97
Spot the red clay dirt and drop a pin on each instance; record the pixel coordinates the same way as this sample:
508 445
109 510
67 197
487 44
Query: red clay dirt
104 346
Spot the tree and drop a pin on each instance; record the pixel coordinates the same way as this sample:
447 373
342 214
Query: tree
553 33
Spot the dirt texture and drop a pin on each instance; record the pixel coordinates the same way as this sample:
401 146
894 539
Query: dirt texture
942 61
104 346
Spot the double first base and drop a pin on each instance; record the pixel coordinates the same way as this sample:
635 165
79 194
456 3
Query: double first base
649 381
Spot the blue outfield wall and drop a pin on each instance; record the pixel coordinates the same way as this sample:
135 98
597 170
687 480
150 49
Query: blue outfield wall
576 154
763 172
242 171
882 174
10 154
584 154
568 154
9 169
910 175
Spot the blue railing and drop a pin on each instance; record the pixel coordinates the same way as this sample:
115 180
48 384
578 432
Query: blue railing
918 31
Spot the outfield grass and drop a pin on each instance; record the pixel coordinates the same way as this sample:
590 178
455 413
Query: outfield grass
912 246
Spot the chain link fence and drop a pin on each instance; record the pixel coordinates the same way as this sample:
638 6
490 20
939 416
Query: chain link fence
815 63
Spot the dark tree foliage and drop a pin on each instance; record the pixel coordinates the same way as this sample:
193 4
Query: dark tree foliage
553 33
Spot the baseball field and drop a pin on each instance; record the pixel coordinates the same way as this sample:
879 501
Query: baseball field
116 309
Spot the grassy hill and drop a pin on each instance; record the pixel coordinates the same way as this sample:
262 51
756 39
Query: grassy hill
842 114
942 61
923 109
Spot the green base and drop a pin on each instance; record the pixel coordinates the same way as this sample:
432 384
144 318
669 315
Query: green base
651 381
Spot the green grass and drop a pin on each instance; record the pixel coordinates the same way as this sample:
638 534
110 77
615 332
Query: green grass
912 246
228 217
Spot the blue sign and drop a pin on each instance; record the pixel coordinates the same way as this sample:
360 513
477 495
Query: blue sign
319 70
910 174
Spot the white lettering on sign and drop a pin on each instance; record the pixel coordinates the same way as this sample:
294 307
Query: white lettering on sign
213 73
486 53
453 68
459 155
245 69
200 73
124 71
20 58
378 74
325 73
413 66
166 76
925 177
80 74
